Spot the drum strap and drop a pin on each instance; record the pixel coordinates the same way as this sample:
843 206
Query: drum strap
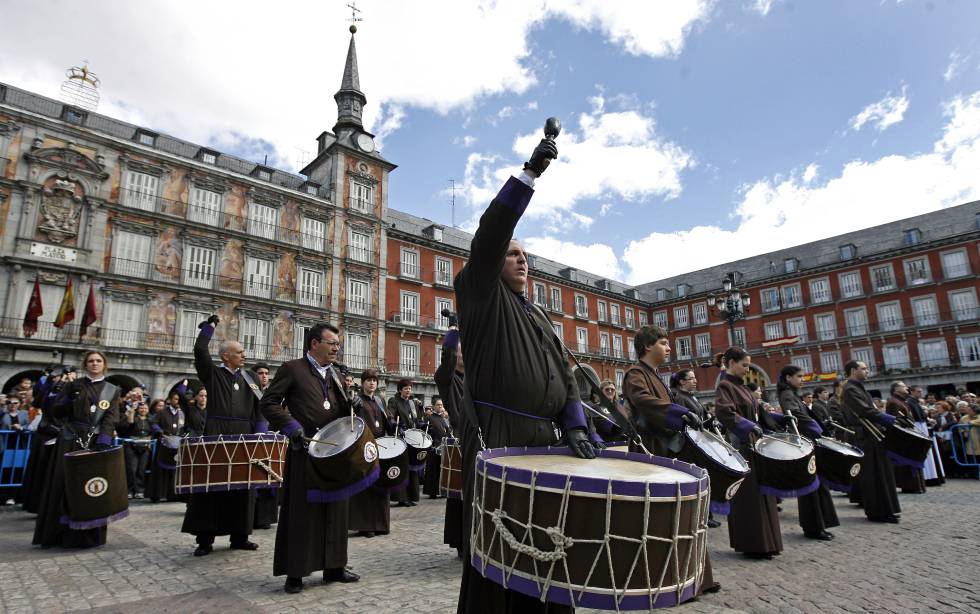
108 393
251 384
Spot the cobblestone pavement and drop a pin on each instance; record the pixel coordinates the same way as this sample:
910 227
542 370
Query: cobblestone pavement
926 564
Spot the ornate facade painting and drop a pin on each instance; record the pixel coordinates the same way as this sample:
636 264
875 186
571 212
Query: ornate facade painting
161 320
283 347
167 255
286 278
175 193
61 211
290 222
235 208
232 267
228 326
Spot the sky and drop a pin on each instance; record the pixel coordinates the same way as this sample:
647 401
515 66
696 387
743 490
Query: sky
695 132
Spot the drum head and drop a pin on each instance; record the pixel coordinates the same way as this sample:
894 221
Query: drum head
619 469
417 438
839 446
390 447
336 438
714 447
783 446
909 432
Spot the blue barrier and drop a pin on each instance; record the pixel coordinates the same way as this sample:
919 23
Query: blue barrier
16 446
965 452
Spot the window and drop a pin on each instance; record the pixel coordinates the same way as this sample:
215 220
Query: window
631 349
738 339
361 197
790 265
126 321
300 331
792 296
826 326
680 317
582 339
829 362
310 287
145 138
933 353
955 264
140 191
847 252
263 174
770 299
74 116
131 254
619 379
700 313
187 334
311 190
410 263
865 355
662 294
660 319
681 290
258 277
581 306
539 295
643 318
969 350
601 311
199 267
964 305
255 337
889 316
797 328
896 356
205 206
314 232
360 246
614 314
357 297
408 358
913 236
774 330
856 321
917 271
559 330
444 273
882 278
556 299
604 344
820 290
683 347
925 311
410 308
262 221
356 354
850 284
630 320
803 362
702 344
617 342
208 158
441 320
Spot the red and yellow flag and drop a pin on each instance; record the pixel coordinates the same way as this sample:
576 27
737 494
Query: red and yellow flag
89 316
66 313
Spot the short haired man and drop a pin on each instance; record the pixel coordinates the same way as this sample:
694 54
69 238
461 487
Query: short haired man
405 411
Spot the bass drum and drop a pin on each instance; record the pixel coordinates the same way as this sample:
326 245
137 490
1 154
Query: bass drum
419 443
838 463
785 465
341 462
907 446
393 456
726 467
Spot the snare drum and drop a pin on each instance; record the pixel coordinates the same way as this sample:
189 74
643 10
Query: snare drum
725 465
218 463
451 469
624 531
393 459
907 446
838 463
785 465
95 488
341 462
419 443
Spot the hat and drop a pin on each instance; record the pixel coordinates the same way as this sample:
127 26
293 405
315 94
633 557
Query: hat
403 383
369 374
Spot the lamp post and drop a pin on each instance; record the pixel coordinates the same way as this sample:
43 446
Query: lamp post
731 304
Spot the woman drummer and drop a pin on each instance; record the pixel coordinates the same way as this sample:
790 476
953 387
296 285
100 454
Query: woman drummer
90 412
817 511
753 523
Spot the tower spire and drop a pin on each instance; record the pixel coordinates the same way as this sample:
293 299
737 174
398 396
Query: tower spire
350 99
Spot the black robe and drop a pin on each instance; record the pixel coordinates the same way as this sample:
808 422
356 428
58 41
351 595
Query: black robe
266 499
369 509
910 479
43 446
162 467
438 428
450 383
518 383
876 483
406 414
229 412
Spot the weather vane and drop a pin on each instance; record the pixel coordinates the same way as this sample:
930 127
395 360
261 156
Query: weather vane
353 16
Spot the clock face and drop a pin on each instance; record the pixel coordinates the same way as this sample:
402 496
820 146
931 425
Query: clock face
365 142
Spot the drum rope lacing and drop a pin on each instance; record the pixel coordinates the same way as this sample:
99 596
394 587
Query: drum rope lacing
220 462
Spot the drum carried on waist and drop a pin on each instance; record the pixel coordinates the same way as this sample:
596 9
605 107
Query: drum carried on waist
726 466
451 469
838 463
95 488
624 531
341 461
419 443
785 465
166 451
393 459
218 463
907 446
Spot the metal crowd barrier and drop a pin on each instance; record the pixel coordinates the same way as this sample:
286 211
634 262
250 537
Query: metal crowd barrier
966 453
16 447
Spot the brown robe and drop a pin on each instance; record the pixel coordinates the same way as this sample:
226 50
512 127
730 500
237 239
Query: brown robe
369 509
876 482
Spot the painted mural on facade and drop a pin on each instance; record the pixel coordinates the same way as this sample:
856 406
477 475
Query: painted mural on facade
161 316
232 267
167 255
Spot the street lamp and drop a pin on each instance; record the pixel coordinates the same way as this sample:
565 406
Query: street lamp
732 304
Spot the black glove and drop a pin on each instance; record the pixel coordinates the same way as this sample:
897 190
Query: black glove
296 439
598 445
578 441
691 419
757 430
541 157
212 320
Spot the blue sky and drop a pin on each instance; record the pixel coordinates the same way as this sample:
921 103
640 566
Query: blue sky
696 132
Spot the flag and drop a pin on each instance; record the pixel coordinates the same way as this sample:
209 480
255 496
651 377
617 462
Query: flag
34 310
782 341
66 313
89 316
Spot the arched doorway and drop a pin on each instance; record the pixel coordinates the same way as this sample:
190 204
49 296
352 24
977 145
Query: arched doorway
13 380
125 382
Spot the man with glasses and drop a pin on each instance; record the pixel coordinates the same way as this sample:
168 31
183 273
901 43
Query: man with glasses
15 417
307 394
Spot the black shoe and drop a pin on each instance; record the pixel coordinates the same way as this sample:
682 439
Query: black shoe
713 524
340 575
203 550
889 519
293 585
366 533
412 504
821 535
762 556
245 546
714 588
404 504
264 527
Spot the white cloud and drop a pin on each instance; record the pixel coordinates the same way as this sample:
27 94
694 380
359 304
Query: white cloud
467 140
390 120
886 112
774 214
605 209
956 63
595 258
810 173
762 7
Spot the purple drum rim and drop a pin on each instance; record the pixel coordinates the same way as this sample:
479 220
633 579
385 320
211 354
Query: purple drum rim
904 461
790 494
595 485
722 508
832 485
314 495
233 438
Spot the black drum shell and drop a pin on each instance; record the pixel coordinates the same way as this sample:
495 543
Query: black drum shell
722 477
784 474
907 443
388 478
83 468
835 466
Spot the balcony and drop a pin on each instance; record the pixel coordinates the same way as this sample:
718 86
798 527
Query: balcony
408 369
361 255
411 272
443 279
412 319
360 205
358 307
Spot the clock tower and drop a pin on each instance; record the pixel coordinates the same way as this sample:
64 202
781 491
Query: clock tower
350 99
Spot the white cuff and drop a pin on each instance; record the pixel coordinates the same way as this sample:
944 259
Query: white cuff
526 179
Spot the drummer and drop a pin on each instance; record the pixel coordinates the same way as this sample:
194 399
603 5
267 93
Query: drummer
817 512
168 421
437 426
370 510
683 385
450 382
232 409
405 411
910 479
